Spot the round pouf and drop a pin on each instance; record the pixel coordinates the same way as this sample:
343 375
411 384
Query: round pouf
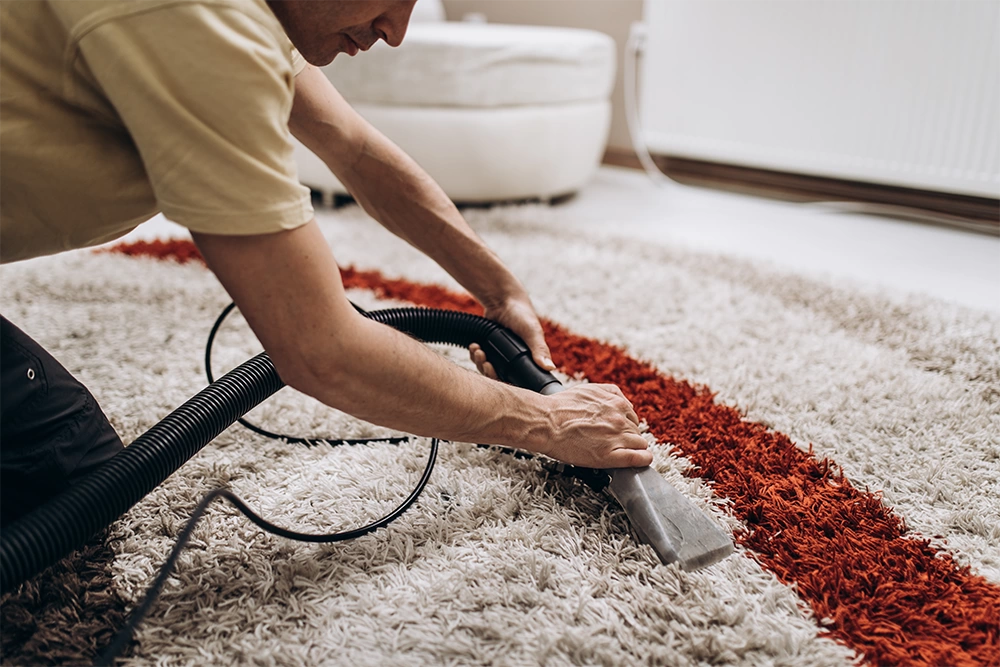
492 112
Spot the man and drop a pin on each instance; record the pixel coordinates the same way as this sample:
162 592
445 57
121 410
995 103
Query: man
113 110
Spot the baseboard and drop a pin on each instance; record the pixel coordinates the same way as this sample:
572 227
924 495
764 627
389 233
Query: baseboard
980 214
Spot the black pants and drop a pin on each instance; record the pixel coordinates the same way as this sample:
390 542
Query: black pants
52 432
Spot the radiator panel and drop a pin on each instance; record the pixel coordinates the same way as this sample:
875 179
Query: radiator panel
900 93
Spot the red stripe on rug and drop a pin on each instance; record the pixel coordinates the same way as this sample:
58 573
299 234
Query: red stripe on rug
177 250
885 593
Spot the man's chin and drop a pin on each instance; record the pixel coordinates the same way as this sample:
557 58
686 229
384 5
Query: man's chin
321 60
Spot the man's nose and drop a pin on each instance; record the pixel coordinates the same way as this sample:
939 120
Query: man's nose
391 26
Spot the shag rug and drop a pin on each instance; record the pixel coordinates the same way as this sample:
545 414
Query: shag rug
849 439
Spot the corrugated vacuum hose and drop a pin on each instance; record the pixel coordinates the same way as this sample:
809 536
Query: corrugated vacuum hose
661 516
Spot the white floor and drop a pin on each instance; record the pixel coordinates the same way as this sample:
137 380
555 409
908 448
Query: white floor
879 252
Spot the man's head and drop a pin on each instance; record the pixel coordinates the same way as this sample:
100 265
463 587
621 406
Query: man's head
320 29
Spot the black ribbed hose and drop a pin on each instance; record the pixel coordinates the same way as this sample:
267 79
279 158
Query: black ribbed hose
66 522
510 357
56 528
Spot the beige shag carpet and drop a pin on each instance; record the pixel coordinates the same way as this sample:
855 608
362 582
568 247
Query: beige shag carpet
499 562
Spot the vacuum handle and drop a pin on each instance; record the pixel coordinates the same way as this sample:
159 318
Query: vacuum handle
513 363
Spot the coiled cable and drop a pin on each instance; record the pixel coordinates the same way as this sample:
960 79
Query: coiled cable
292 439
124 635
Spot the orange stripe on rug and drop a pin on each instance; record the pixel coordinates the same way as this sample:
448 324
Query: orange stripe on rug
885 593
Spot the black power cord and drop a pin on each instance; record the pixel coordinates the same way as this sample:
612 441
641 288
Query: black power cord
124 635
122 638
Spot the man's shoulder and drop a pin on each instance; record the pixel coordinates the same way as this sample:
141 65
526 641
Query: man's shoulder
80 17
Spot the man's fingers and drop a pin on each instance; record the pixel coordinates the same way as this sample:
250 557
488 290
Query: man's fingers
543 357
523 319
629 409
478 357
630 458
612 388
539 350
633 441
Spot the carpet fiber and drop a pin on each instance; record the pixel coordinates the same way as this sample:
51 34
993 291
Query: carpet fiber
848 439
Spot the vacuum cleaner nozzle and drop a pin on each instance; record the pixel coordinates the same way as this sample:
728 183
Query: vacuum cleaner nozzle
667 520
661 516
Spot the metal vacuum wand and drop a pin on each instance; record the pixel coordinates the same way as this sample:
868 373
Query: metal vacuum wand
661 516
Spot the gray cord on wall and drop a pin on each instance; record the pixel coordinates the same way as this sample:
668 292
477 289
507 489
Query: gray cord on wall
633 47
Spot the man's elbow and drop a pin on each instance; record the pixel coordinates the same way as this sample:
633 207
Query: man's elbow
313 368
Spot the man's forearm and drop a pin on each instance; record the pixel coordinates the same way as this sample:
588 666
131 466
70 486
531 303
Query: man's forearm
378 374
394 189
413 206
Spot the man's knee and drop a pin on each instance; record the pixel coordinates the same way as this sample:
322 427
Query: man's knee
52 431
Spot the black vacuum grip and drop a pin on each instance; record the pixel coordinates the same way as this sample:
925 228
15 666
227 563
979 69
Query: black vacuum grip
513 363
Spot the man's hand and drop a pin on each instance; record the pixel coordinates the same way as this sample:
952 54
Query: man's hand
518 315
594 425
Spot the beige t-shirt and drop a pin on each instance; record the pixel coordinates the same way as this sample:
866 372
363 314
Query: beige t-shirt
113 110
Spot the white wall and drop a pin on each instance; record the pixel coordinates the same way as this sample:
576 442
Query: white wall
612 17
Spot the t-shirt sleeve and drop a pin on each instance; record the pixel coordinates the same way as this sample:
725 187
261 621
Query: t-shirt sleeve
205 93
298 62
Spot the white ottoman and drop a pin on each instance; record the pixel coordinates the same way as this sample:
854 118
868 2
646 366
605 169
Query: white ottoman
492 112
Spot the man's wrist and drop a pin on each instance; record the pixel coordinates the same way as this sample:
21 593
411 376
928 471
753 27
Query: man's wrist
529 424
498 294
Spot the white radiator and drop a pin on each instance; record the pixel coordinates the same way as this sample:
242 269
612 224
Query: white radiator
895 92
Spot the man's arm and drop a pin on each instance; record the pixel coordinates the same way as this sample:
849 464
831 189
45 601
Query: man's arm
288 287
394 190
